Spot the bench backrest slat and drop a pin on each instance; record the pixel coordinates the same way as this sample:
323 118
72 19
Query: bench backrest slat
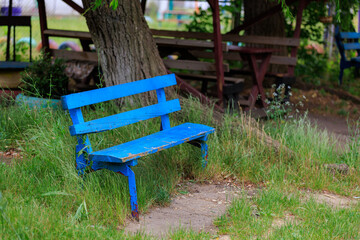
352 46
126 118
349 35
77 100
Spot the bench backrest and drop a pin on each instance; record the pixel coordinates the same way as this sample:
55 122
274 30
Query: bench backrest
74 102
342 37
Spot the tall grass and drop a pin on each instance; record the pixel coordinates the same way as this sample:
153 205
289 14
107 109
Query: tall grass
46 199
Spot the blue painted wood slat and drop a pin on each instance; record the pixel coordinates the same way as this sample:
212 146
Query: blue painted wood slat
77 100
351 46
126 118
165 121
350 35
153 143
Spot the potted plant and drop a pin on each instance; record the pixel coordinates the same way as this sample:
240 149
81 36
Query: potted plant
43 83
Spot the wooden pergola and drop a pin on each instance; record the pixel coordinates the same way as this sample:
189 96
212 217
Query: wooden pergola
217 37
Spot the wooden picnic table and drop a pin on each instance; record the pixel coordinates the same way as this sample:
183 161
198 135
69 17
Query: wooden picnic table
253 56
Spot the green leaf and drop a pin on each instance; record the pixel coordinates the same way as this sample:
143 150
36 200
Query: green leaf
114 4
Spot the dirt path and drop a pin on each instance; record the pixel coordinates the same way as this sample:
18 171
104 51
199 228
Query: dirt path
196 210
337 127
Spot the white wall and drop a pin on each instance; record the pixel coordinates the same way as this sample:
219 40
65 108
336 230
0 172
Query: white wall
53 7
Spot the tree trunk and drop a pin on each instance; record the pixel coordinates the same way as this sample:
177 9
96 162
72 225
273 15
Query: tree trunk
126 48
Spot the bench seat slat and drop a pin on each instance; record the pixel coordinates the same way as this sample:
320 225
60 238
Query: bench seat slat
151 144
125 118
77 100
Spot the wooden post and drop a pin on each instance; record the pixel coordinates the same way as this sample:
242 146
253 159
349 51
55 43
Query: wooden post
214 4
43 25
74 6
301 7
9 33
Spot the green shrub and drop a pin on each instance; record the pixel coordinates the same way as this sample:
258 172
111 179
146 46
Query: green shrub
46 78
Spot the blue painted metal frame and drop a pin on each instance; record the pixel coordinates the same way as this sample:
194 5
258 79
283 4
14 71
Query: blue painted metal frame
120 158
344 62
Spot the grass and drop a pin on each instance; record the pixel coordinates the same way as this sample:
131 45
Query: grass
45 199
278 214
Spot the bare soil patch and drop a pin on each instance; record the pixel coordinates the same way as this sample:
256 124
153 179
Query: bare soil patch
331 199
197 209
9 156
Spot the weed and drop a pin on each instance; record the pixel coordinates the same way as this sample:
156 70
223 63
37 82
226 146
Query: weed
342 112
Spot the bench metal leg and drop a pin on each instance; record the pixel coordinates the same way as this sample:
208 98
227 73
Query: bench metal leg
133 194
82 150
341 75
126 171
204 153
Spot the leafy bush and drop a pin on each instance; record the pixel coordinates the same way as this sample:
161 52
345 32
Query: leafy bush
313 72
202 21
46 78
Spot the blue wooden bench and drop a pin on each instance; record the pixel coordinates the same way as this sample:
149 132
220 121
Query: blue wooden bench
121 157
341 38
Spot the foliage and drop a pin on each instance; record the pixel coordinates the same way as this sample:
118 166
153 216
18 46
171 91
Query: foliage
346 13
202 21
311 28
45 78
310 72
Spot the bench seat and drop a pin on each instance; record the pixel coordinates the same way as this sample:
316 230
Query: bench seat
152 143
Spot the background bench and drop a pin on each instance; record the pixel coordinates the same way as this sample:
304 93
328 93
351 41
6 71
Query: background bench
285 57
347 41
121 157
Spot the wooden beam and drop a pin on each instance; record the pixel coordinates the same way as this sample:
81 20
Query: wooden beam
281 41
43 25
188 43
214 4
68 34
234 56
74 6
210 78
182 34
260 17
301 7
193 65
275 41
194 92
24 21
8 33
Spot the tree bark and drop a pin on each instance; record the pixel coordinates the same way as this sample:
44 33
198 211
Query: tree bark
126 48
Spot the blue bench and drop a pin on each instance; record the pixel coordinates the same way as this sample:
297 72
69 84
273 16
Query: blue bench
121 157
340 38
